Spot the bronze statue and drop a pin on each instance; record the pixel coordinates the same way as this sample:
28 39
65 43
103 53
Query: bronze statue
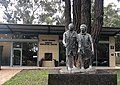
70 42
85 47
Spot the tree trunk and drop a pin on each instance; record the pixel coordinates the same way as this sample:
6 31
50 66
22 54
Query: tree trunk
77 22
97 21
67 13
77 14
86 13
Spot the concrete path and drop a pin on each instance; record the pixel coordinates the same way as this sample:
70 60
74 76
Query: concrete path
50 68
32 67
6 74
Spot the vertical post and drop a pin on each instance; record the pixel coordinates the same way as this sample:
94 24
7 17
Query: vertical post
96 57
11 58
112 62
1 50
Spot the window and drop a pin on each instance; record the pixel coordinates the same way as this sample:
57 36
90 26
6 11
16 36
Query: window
48 56
104 38
24 36
101 55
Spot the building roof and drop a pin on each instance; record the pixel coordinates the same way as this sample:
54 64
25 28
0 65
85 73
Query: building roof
46 29
111 31
31 29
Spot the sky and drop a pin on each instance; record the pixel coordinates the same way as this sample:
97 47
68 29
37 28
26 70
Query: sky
106 2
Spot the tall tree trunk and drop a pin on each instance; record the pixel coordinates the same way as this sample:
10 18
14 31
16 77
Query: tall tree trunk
97 21
77 14
67 13
86 13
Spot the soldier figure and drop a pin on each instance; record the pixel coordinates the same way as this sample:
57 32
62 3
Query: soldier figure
85 47
70 42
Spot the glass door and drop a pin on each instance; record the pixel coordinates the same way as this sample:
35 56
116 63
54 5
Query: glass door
17 56
102 55
117 55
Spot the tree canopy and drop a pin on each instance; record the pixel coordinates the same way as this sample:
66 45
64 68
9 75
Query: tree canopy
111 16
33 11
48 12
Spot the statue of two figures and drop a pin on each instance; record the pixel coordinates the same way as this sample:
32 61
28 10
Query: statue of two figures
78 46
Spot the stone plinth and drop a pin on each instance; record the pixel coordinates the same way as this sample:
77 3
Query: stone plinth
82 79
48 64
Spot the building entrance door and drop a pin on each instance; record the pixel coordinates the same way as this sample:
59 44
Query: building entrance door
17 56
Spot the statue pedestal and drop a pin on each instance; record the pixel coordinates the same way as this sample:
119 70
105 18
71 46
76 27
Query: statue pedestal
82 71
82 79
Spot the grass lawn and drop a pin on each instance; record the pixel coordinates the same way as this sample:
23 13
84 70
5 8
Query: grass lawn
118 78
29 77
35 77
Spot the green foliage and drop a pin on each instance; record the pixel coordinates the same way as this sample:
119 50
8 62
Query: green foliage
48 12
51 8
33 11
29 77
111 16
